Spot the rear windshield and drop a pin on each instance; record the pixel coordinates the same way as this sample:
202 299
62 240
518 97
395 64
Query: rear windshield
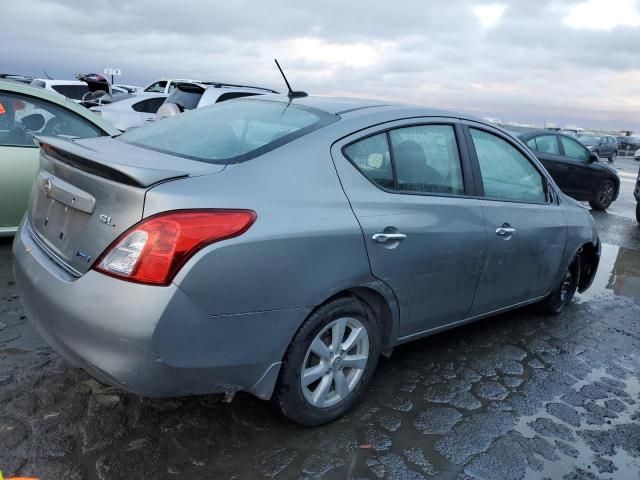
229 132
76 92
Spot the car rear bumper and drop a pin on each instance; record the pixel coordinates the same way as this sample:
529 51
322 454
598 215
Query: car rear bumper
153 341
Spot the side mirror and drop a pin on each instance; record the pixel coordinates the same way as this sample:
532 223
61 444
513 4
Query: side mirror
593 157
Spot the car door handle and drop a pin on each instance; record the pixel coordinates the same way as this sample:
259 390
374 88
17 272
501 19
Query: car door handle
505 231
388 237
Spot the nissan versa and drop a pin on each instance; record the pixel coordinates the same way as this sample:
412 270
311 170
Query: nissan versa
280 245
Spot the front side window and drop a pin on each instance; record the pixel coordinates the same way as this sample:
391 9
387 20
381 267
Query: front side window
426 159
573 149
506 173
229 132
21 117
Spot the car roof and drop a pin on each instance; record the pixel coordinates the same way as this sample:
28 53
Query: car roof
360 107
534 132
24 89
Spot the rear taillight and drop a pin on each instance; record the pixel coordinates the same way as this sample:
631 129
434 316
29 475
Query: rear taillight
155 249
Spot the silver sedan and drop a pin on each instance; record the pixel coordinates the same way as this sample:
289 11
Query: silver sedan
280 245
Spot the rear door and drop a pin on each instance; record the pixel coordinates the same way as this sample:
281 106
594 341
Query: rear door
410 187
525 227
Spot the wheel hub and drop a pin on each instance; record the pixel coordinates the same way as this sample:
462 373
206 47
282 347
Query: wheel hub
335 362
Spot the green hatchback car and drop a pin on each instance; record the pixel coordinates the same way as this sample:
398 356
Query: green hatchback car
24 112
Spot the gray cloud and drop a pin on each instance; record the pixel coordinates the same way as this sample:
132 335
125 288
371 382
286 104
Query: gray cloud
529 67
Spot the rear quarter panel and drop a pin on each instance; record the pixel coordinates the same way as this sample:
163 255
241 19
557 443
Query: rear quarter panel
305 245
581 230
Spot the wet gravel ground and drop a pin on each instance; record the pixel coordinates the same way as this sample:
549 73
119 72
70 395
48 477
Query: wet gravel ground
515 396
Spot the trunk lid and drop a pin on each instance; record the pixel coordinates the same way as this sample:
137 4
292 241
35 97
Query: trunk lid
88 192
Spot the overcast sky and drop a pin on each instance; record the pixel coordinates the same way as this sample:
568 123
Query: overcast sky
561 61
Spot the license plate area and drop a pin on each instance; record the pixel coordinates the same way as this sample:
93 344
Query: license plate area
59 213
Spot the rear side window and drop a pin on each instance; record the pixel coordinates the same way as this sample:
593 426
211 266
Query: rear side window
426 159
422 159
506 173
150 105
545 144
229 132
371 156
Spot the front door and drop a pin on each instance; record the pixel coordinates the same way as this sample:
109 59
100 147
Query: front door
582 183
525 228
408 186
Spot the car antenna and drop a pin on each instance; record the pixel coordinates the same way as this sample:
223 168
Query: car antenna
291 94
46 75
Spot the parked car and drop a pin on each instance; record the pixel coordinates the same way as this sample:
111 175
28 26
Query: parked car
166 85
71 89
188 96
26 111
133 111
605 146
574 168
279 245
629 144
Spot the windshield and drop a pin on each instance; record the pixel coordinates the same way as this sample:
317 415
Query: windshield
229 132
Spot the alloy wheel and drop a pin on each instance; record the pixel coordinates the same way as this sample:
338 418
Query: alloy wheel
335 362
605 195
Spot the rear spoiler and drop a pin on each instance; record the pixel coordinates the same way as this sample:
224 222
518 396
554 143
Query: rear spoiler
91 161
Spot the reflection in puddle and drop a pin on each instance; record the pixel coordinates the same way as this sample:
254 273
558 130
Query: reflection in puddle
618 274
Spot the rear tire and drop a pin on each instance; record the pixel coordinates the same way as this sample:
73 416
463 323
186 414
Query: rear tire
638 212
557 301
604 197
341 365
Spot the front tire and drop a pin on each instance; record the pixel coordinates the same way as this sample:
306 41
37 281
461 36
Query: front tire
613 156
329 363
557 300
604 197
